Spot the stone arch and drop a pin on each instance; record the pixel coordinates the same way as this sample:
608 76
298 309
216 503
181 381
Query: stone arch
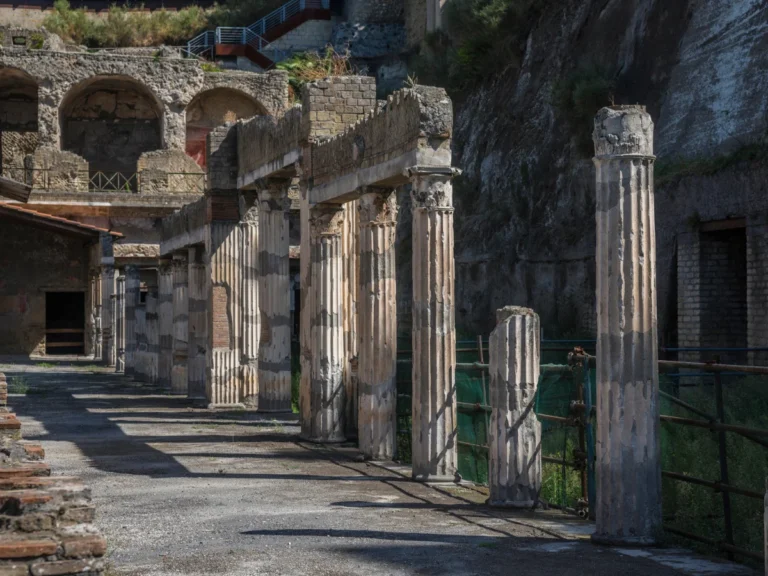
18 120
212 108
110 120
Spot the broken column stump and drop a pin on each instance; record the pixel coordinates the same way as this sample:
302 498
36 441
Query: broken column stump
515 431
377 309
628 468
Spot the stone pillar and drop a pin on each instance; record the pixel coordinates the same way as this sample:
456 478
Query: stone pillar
628 451
152 336
323 418
350 272
119 315
377 309
197 342
434 331
223 384
305 324
249 234
132 295
179 381
107 319
275 299
165 323
515 432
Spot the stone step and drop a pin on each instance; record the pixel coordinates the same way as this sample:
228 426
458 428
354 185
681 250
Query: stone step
25 469
40 482
33 450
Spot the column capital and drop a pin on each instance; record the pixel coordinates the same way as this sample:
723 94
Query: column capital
273 195
180 258
165 265
431 186
326 219
623 132
377 206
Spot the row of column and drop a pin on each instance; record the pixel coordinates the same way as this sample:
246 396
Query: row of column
325 347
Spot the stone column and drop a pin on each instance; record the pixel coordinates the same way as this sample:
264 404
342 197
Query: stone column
350 254
165 323
377 309
305 324
179 382
515 432
119 315
107 319
275 299
132 295
153 340
249 234
434 331
197 343
323 420
628 450
223 382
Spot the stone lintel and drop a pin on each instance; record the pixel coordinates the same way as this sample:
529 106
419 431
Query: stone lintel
284 167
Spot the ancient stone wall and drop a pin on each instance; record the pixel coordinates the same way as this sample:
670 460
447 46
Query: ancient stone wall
375 11
311 35
222 158
32 263
332 104
266 141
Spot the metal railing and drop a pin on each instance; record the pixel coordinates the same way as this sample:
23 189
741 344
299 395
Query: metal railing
252 35
99 181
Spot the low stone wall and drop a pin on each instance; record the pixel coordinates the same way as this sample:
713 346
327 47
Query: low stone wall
46 522
413 128
264 141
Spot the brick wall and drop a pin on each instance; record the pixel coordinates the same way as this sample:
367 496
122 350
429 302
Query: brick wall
331 105
757 290
221 158
688 295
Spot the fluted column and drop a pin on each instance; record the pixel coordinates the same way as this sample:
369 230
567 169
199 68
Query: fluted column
350 272
152 337
305 324
249 230
198 325
119 315
323 421
628 450
107 319
434 332
223 248
132 294
179 381
275 299
377 310
165 323
515 432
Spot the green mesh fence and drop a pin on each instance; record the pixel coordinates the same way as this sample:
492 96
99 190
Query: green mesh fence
472 418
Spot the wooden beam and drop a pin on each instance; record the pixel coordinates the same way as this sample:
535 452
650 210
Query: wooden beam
14 190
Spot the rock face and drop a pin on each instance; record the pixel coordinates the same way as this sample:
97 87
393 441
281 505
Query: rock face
525 227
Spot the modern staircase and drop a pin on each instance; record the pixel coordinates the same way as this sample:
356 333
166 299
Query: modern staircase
254 41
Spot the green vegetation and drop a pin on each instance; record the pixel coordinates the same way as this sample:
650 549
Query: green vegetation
307 67
36 41
477 37
669 171
45 365
129 25
579 96
18 385
210 67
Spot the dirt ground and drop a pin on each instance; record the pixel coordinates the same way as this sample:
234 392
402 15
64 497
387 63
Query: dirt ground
192 492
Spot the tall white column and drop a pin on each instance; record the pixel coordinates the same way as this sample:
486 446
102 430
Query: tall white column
515 431
377 309
324 419
275 299
197 347
179 381
165 323
249 231
119 315
107 318
132 295
152 336
628 451
223 248
434 431
349 294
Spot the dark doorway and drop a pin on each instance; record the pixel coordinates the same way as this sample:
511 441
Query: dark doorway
64 323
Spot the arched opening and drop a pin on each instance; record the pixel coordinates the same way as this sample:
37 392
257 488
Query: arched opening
110 121
18 120
213 108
